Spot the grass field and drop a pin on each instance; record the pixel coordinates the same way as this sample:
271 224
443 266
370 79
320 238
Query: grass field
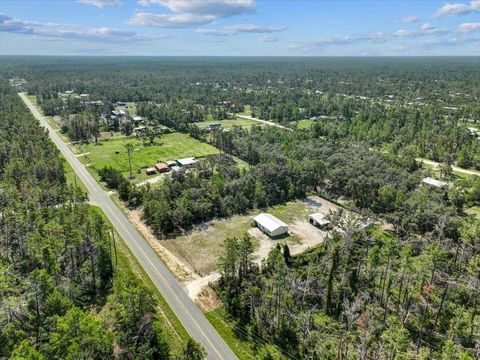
170 147
304 124
233 337
72 178
202 247
127 265
226 124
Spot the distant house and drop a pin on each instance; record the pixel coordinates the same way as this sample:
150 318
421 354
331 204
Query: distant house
175 168
434 182
212 127
137 119
83 96
319 221
161 167
171 163
150 171
270 225
187 161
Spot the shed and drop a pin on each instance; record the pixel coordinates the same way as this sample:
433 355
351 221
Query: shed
186 161
150 171
434 182
161 167
137 119
270 225
319 221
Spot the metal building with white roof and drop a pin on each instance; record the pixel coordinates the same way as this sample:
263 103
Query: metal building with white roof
270 225
434 182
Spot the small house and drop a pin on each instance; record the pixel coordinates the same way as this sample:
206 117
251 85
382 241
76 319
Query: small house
150 171
270 225
137 119
186 161
161 167
434 182
213 127
171 163
318 220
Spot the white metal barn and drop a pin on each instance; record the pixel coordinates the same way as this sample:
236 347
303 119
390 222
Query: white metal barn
270 225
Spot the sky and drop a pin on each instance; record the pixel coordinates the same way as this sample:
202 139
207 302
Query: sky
239 27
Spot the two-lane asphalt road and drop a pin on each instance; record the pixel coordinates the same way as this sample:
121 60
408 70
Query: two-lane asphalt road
187 312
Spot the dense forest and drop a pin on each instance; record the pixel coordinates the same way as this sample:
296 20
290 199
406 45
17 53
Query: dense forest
425 103
61 296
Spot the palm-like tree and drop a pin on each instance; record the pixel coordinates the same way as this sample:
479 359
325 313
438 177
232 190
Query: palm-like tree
129 148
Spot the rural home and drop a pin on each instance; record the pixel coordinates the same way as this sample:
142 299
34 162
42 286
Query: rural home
319 220
434 182
186 161
270 225
161 167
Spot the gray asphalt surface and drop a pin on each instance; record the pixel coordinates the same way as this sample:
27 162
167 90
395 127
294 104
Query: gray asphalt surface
187 312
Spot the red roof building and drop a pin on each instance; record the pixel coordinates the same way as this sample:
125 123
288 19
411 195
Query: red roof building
161 167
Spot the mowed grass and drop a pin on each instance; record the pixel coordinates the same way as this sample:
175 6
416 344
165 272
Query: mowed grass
169 147
202 247
304 124
233 337
226 124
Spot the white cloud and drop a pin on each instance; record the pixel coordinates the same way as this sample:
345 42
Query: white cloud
231 30
410 19
425 30
102 3
269 38
453 9
468 27
10 24
427 26
185 13
169 21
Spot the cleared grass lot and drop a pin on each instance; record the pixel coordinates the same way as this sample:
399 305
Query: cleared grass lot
202 248
170 147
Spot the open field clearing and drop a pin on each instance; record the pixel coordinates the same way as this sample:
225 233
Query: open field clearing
303 124
169 147
202 248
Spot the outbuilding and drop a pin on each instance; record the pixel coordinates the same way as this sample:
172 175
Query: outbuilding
434 182
151 171
270 225
319 221
161 167
186 161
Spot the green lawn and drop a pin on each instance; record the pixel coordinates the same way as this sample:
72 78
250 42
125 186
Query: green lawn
228 123
242 348
170 147
304 124
72 178
247 111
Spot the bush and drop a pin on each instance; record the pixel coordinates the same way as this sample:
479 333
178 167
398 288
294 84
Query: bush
112 177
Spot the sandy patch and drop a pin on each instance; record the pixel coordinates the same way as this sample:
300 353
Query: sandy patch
179 268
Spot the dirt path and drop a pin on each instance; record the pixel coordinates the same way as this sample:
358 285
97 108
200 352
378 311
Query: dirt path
153 180
266 122
454 167
181 270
